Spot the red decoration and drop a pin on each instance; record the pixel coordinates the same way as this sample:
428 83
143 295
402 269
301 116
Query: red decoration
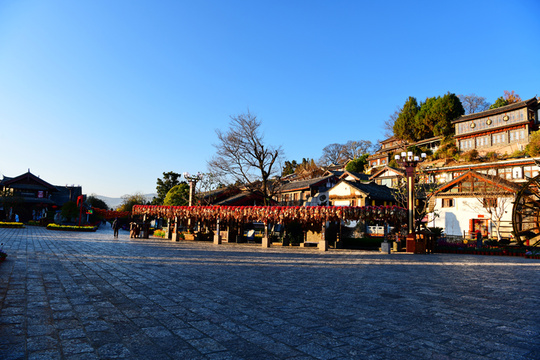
274 214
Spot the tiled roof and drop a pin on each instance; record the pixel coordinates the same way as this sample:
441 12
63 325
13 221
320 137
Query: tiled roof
304 184
514 187
25 180
358 176
374 191
385 168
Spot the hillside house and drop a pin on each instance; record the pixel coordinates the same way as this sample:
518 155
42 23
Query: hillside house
502 130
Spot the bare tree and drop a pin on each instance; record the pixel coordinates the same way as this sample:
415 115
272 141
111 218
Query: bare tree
332 154
495 196
339 153
424 190
242 155
208 184
473 103
388 125
354 149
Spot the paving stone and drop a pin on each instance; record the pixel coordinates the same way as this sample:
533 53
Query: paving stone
39 343
87 296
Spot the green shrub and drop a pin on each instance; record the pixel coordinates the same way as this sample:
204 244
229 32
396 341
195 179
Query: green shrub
471 155
160 233
533 148
492 156
518 154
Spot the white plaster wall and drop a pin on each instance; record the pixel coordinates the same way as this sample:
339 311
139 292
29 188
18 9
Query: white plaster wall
454 220
340 189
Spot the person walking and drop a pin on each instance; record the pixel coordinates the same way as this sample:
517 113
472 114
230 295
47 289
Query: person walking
478 239
115 225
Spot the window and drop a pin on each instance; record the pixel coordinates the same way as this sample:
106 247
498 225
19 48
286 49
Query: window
489 202
447 203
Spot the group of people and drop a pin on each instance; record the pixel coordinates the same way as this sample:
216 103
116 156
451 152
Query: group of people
134 231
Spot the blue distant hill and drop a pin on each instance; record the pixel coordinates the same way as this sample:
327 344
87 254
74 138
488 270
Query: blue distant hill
113 203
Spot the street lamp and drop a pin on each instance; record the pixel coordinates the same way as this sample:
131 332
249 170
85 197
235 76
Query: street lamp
192 179
409 162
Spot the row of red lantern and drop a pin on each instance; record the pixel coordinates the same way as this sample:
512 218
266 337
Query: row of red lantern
276 214
111 214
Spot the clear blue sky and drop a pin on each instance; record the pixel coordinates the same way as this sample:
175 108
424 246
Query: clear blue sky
110 94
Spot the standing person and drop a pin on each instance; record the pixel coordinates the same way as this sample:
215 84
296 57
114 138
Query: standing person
478 239
115 225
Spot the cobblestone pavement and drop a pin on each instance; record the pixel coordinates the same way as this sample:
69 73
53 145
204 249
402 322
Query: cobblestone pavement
66 295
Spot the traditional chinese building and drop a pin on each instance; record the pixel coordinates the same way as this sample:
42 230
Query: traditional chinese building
501 130
309 192
383 156
359 193
474 202
31 197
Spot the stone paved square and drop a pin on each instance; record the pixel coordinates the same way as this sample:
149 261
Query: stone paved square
67 295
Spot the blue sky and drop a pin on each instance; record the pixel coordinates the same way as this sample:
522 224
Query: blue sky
110 94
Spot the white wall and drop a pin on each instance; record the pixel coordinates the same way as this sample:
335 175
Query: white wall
454 220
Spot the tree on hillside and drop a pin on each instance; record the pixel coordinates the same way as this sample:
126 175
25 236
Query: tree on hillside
170 180
289 168
425 119
428 119
332 154
508 98
339 153
500 102
533 147
128 201
243 156
473 103
355 149
357 165
404 124
444 110
95 202
388 125
511 97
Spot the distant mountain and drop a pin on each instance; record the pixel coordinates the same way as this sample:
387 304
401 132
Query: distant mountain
113 203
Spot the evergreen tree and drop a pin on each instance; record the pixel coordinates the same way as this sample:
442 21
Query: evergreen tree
178 195
404 124
170 180
357 165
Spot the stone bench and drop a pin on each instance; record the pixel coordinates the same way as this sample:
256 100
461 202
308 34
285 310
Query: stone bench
309 244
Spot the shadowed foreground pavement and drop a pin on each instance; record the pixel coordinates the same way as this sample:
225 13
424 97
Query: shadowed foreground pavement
66 295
